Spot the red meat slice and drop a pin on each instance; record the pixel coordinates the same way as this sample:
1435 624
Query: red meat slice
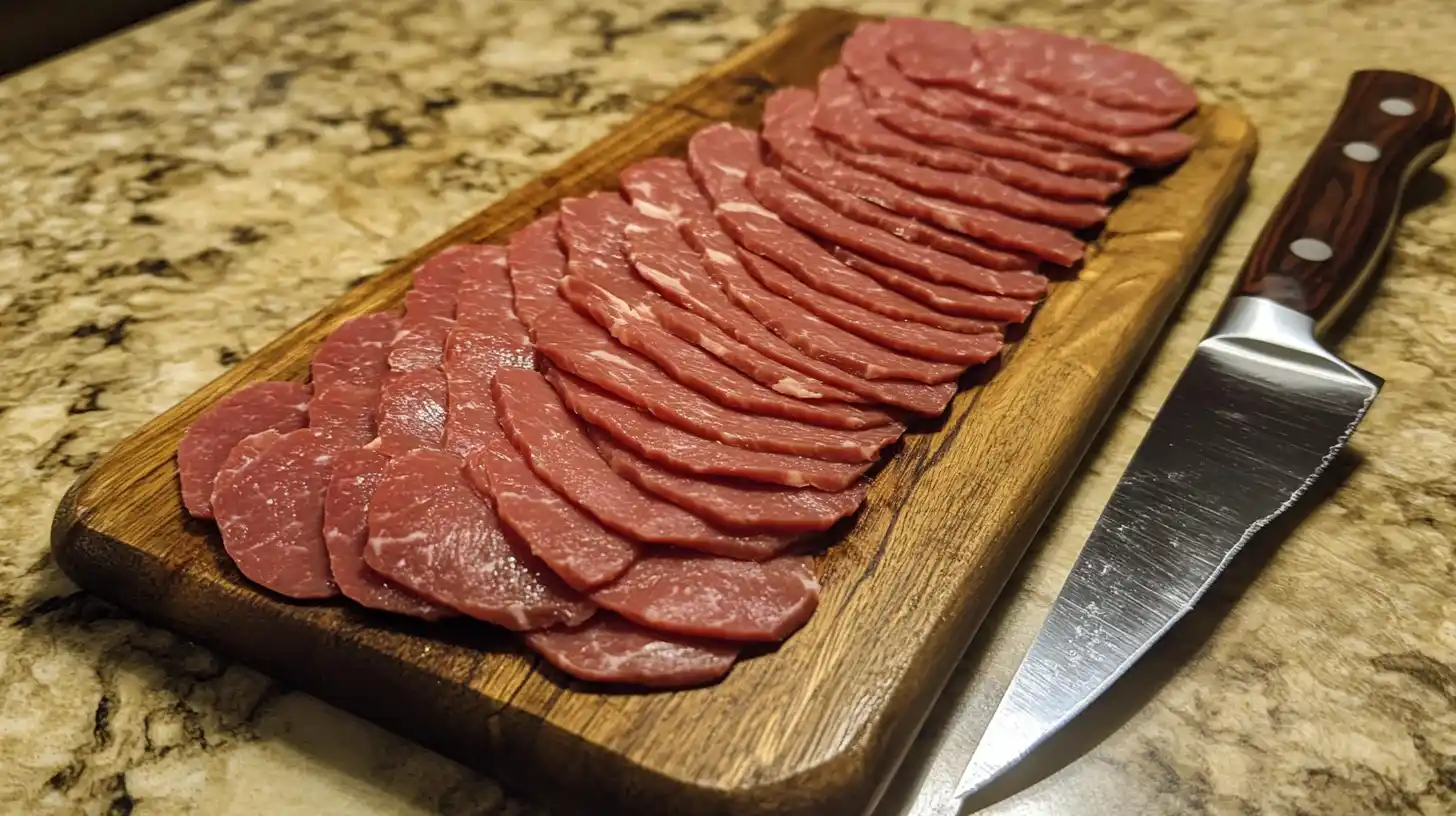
761 230
641 332
429 312
654 245
685 281
411 413
483 296
1063 157
925 342
885 81
908 229
811 334
271 514
557 449
866 56
430 531
604 288
842 116
254 408
346 531
243 454
356 353
684 452
570 542
608 649
718 598
948 299
535 264
1067 65
976 191
787 118
345 412
1010 291
734 504
583 348
720 158
939 53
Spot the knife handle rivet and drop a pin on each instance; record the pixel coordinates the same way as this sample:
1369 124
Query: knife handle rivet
1361 151
1311 249
1395 106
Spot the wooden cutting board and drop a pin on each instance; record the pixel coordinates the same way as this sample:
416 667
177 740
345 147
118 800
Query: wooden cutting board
813 728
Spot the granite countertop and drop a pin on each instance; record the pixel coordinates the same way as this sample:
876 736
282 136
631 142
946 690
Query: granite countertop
180 194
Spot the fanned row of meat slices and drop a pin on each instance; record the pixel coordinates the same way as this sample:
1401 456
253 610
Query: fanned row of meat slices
621 434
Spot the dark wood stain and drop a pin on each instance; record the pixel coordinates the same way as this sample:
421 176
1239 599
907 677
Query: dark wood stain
810 728
1349 205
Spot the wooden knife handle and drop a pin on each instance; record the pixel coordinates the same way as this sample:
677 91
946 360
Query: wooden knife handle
1330 229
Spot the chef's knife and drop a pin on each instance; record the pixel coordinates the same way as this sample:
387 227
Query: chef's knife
1253 420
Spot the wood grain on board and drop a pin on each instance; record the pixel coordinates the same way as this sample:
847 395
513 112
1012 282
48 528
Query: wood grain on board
812 728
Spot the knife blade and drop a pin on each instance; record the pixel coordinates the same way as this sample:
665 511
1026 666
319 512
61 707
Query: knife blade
1252 422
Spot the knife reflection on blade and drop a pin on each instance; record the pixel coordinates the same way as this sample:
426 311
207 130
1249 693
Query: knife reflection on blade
1253 420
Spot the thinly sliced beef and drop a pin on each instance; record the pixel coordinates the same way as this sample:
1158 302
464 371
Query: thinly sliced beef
642 333
686 283
1060 64
683 452
581 347
412 410
557 449
345 412
946 298
356 353
1150 150
842 115
866 56
271 515
787 119
472 357
573 544
346 531
908 229
719 598
734 504
535 264
254 408
429 313
925 342
721 157
604 288
483 296
243 454
609 649
811 334
976 191
1009 300
761 230
933 52
433 533
1064 157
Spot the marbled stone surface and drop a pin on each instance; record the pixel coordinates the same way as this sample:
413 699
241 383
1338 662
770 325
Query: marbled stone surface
176 196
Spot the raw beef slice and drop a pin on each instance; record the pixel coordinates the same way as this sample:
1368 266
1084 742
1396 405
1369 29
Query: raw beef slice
411 413
719 598
734 504
584 553
609 649
346 531
271 515
280 406
553 443
684 452
345 412
356 353
430 531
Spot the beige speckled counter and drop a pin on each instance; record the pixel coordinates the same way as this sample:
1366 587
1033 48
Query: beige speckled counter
176 196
